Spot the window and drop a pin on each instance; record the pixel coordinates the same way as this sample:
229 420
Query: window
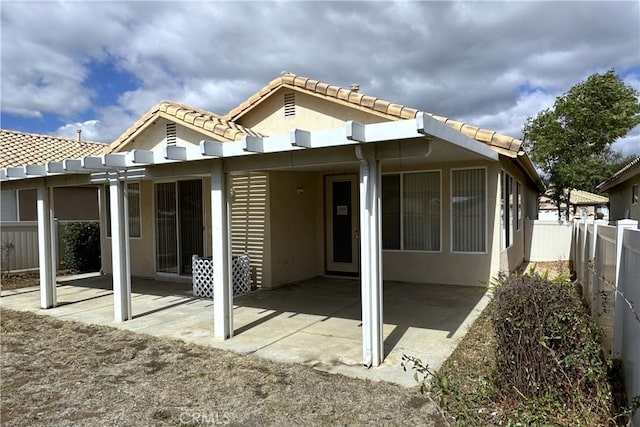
411 211
468 210
518 206
133 199
634 194
506 206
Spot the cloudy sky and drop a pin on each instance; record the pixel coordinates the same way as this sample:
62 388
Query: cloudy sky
100 65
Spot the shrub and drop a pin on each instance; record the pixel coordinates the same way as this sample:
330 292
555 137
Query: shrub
546 345
82 247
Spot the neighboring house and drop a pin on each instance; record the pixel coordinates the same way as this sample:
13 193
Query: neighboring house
623 189
18 210
71 203
588 205
582 204
548 208
310 179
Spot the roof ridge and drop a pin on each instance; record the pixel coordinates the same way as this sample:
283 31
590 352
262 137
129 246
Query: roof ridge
617 174
398 111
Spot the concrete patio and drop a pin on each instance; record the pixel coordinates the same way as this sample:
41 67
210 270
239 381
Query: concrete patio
316 322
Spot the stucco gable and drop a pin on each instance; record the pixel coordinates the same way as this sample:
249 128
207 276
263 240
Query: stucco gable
357 101
287 108
201 122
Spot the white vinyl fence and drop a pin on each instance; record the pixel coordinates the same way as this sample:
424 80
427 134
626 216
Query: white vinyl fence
547 240
607 264
19 241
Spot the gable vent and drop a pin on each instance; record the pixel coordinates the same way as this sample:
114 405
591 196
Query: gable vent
171 133
289 104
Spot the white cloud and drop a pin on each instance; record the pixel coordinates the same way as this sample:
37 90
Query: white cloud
91 130
465 60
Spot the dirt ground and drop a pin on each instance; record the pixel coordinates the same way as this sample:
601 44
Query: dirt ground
553 268
63 373
23 280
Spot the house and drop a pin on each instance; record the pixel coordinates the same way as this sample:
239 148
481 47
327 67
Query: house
22 148
588 205
623 190
310 179
582 204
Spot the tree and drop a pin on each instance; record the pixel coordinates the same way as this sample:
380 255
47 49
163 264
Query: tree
571 142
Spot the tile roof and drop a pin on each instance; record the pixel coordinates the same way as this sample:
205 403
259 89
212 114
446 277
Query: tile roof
207 122
21 148
579 197
504 144
604 186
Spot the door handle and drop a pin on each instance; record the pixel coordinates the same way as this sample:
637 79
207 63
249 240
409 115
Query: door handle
357 235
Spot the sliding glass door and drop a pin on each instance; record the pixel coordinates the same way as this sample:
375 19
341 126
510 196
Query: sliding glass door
190 222
179 225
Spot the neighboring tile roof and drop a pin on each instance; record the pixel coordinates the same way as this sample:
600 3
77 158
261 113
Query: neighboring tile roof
21 148
613 180
386 108
205 121
579 197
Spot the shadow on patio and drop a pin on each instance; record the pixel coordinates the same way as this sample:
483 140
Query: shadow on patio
316 322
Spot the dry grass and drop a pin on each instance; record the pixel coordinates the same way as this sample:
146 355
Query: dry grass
17 281
59 373
23 280
552 268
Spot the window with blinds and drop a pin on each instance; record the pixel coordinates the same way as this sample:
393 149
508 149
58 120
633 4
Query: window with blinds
411 211
133 202
468 210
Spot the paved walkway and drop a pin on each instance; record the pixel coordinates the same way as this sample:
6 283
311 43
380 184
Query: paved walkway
316 322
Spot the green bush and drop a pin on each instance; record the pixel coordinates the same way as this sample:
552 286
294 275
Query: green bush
546 345
82 247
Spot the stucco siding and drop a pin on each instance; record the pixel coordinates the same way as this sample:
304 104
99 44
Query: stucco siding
294 200
311 113
154 137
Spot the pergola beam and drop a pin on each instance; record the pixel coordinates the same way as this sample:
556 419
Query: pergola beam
351 134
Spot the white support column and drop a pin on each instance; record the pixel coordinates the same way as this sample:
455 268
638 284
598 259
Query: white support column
54 240
619 302
371 256
47 280
221 251
120 251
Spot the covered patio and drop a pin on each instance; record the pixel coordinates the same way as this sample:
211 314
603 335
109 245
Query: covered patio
316 322
357 149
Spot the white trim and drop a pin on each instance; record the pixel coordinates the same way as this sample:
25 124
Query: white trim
486 214
353 133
